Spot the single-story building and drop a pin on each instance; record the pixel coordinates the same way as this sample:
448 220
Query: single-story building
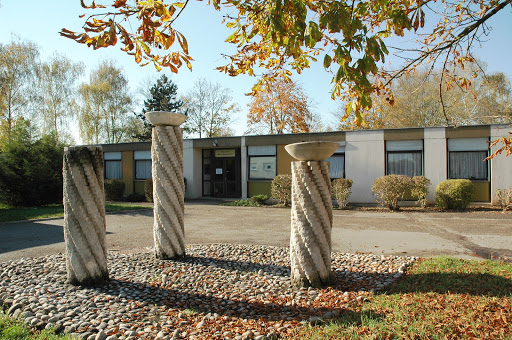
240 167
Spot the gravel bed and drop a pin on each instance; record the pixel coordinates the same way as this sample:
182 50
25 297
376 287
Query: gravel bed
217 291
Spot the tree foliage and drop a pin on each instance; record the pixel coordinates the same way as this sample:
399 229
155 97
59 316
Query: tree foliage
18 61
163 96
282 106
105 104
281 37
209 107
57 92
30 170
487 99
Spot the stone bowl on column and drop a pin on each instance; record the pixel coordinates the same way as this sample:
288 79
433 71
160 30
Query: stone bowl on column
311 213
168 183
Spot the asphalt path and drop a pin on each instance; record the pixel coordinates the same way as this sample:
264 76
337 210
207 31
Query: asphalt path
473 235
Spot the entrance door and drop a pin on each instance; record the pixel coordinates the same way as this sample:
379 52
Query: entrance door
225 183
224 172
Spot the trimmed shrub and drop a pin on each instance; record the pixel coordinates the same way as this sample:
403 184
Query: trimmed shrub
242 203
134 197
455 193
148 189
504 198
390 189
420 189
281 188
114 189
260 199
341 191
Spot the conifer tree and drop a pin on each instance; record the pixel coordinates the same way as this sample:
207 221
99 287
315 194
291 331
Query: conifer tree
163 98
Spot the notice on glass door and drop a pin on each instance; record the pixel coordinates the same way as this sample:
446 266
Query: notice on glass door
218 171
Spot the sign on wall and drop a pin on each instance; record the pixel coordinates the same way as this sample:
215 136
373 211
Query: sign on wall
225 153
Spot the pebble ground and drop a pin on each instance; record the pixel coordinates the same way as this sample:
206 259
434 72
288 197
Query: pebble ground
216 291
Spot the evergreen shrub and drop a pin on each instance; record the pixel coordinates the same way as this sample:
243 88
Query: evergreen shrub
30 171
260 199
114 190
148 189
455 193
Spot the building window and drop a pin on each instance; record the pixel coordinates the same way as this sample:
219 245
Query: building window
113 165
466 158
262 162
142 164
404 158
337 165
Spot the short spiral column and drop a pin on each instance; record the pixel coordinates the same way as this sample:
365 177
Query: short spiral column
168 184
311 224
84 215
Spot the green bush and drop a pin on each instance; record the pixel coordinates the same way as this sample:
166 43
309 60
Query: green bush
30 171
341 191
260 199
420 189
134 197
148 189
390 189
455 193
114 189
242 203
281 188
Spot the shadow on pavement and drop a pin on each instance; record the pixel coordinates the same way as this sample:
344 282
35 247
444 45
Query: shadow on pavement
16 236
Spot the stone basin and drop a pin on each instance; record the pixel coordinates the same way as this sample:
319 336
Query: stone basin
165 118
312 151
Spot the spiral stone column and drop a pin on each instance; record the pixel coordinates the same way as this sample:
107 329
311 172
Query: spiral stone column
311 214
84 215
168 184
310 241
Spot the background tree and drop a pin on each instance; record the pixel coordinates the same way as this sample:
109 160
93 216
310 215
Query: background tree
57 92
281 106
209 107
18 61
31 169
487 99
105 105
162 97
279 37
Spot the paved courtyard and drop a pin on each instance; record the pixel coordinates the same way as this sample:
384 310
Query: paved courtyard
425 234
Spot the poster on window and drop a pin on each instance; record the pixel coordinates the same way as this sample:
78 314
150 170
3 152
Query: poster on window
218 171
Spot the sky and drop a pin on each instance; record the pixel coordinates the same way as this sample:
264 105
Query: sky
40 22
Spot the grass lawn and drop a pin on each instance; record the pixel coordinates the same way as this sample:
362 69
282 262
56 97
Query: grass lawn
442 298
14 330
52 210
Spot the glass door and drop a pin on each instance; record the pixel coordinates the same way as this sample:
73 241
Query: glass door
224 173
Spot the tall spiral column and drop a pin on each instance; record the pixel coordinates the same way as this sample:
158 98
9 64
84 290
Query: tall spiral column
84 215
311 224
168 184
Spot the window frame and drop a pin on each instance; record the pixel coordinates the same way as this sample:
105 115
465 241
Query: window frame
468 145
402 149
261 178
135 162
420 152
470 178
337 154
112 158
